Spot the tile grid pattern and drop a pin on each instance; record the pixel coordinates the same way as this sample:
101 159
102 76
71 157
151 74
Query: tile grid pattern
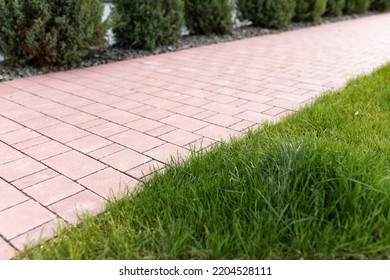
69 140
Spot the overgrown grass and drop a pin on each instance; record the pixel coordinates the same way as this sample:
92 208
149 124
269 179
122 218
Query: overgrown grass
315 186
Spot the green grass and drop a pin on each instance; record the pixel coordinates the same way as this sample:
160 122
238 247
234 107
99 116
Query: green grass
315 186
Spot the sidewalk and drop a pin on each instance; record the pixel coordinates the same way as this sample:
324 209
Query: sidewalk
69 140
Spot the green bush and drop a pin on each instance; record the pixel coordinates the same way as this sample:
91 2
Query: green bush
53 32
207 17
309 10
380 5
356 6
147 24
267 13
334 8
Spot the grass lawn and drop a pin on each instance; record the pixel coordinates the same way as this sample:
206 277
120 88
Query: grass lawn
315 186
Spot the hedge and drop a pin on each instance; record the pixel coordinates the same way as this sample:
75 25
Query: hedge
209 17
309 10
147 24
267 13
50 32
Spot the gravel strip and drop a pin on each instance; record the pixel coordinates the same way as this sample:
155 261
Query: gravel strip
14 71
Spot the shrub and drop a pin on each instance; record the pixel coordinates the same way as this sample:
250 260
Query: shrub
50 32
334 8
356 6
267 13
207 17
380 5
147 24
309 10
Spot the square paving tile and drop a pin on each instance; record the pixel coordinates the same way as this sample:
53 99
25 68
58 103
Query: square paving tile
136 140
61 112
78 118
225 91
32 142
225 95
200 144
161 130
162 103
144 108
53 190
6 251
6 89
35 178
41 122
20 168
153 113
222 120
21 114
284 103
39 104
125 160
217 132
148 89
107 129
204 115
187 110
242 125
257 107
108 99
95 108
184 122
74 164
222 108
195 101
127 105
78 205
145 169
6 125
46 150
254 117
9 154
239 102
118 116
274 111
92 123
63 132
164 153
89 143
144 125
106 151
10 196
76 102
18 136
108 183
180 137
6 105
292 97
253 97
22 218
41 233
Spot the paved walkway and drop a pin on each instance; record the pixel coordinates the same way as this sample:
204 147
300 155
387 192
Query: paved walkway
67 138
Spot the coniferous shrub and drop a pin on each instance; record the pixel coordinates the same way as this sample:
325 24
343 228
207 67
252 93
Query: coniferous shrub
380 5
267 13
334 8
356 6
147 24
309 10
208 17
55 32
